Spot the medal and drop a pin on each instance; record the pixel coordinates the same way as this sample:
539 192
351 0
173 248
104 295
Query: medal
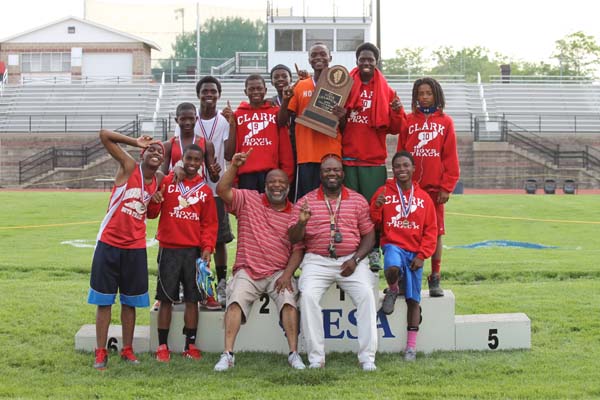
406 206
140 208
337 237
182 202
405 223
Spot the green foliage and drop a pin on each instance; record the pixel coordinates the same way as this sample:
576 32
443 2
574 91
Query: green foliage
467 61
221 38
408 61
43 287
578 54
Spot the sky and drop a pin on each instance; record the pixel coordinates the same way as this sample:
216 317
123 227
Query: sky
521 29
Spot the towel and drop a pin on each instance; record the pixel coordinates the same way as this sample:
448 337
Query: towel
380 103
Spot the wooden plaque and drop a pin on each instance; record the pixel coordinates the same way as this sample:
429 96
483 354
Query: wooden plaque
332 89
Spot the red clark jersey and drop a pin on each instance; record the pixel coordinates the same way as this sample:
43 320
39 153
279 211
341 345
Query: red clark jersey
271 147
124 225
432 142
176 151
417 231
188 215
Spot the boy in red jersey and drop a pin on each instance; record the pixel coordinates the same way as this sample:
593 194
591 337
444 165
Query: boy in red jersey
187 229
374 111
405 214
429 136
120 262
257 129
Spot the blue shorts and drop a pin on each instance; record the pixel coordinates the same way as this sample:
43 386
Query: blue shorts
123 270
394 256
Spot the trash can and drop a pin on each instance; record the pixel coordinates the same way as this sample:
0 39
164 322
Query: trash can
530 186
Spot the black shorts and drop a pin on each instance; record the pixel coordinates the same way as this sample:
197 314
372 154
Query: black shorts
224 234
119 270
177 266
253 181
308 178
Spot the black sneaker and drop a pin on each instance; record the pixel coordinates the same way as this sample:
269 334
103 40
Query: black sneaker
434 286
387 306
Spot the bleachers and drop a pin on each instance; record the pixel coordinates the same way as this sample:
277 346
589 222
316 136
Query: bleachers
74 107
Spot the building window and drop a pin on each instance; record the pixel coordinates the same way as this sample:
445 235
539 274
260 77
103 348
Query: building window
288 39
319 35
349 39
71 29
46 62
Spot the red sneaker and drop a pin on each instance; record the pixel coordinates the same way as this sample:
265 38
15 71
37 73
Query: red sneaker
192 352
128 356
211 304
163 354
101 359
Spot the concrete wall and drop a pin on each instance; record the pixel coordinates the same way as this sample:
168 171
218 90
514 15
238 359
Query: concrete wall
483 165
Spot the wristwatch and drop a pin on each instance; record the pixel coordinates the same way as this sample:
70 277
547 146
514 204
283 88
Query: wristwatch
357 260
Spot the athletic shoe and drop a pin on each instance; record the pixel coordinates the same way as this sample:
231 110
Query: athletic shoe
225 362
410 354
374 260
368 366
211 304
101 359
128 356
387 306
192 352
295 361
163 354
221 292
434 286
317 365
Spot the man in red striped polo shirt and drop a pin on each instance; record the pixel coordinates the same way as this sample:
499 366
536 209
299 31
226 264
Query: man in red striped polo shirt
332 224
264 261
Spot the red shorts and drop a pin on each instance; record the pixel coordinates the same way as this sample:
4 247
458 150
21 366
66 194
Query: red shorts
439 212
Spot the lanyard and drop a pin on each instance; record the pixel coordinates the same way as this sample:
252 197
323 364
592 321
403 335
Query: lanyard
406 206
332 219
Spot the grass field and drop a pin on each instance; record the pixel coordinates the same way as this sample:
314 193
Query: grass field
43 288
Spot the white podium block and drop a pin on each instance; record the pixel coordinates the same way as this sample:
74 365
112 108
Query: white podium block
493 332
261 332
436 331
85 338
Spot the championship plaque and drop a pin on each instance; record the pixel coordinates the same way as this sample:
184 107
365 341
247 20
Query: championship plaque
332 90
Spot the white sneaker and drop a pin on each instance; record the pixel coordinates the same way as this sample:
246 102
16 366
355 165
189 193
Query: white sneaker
410 354
221 292
295 361
316 365
368 366
225 362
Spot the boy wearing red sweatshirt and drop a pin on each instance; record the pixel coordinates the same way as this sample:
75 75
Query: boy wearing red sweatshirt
405 214
374 110
428 135
257 129
187 230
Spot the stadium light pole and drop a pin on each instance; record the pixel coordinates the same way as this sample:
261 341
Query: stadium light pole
197 40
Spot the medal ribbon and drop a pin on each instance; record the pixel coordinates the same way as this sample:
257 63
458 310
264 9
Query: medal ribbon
406 207
180 140
212 130
185 193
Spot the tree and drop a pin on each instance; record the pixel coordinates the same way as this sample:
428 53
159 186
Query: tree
578 54
526 68
222 38
467 61
408 61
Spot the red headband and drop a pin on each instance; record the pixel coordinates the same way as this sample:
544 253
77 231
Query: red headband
157 143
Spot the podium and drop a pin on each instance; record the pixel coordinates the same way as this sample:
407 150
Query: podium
440 328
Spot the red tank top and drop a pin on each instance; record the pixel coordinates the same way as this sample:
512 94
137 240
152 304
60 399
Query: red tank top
124 225
177 148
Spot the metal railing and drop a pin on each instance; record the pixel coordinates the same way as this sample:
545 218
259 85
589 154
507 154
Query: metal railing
78 157
57 123
62 79
540 79
556 123
3 81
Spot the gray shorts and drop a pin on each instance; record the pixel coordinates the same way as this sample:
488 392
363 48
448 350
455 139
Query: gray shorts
244 291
